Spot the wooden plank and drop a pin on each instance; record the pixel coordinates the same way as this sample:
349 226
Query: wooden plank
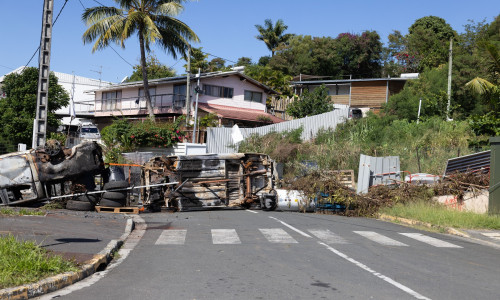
117 210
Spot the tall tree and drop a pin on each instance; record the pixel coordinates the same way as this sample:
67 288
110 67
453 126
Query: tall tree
273 35
155 69
152 20
17 110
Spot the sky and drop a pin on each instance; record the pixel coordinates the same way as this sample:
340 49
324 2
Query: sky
226 29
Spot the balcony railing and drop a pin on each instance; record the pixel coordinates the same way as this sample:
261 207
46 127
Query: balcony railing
168 101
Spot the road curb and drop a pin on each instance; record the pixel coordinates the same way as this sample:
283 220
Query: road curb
56 282
411 222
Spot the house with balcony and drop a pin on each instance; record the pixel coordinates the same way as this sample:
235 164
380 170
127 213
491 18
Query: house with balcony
232 96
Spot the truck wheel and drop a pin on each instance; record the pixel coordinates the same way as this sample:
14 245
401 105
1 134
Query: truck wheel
80 205
115 185
112 203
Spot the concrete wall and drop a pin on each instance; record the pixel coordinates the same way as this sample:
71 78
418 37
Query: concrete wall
475 202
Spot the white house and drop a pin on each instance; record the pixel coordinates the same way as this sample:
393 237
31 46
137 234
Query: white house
232 96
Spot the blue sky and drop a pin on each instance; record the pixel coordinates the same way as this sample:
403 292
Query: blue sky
226 28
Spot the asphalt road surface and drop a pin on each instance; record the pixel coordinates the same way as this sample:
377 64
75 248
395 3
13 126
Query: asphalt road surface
276 255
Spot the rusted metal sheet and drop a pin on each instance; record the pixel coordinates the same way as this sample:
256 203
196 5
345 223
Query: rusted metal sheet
211 181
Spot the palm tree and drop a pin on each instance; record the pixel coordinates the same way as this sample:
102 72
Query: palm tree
152 20
483 86
273 36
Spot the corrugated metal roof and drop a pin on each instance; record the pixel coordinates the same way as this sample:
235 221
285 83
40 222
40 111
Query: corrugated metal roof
376 171
472 162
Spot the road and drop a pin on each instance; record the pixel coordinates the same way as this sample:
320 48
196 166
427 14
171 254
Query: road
276 255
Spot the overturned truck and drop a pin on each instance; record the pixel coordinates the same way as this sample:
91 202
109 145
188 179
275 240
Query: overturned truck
38 174
237 180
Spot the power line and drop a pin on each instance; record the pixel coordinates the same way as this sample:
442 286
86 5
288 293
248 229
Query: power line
234 62
53 23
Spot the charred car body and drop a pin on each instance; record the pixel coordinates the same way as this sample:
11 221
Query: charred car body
39 174
238 180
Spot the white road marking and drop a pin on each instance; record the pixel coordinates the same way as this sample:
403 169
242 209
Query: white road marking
493 235
225 236
172 237
381 276
328 237
251 211
277 235
430 240
381 239
292 228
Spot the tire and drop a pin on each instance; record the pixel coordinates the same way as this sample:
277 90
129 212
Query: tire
115 195
79 205
92 198
112 203
115 185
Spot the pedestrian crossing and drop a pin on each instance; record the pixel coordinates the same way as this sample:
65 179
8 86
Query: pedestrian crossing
280 236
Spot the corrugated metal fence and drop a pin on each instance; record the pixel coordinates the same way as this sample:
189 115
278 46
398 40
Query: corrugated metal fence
219 139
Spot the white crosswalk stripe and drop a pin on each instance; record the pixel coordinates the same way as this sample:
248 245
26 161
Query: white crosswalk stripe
430 240
378 238
328 237
172 237
277 235
225 236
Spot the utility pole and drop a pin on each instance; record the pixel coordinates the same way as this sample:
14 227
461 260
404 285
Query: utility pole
450 62
100 75
198 91
42 98
187 84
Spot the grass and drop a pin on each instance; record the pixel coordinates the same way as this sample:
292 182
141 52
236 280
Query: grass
441 216
24 262
20 212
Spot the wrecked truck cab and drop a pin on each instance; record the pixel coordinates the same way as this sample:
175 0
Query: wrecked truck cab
237 180
38 174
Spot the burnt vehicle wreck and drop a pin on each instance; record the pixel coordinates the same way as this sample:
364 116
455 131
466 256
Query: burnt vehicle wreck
238 180
38 174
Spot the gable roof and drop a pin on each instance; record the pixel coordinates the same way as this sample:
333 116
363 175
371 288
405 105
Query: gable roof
182 79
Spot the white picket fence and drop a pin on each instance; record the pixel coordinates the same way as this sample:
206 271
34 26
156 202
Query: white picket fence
219 139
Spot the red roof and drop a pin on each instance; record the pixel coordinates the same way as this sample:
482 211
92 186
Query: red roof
235 113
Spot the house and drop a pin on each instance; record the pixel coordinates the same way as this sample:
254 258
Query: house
79 89
367 94
232 96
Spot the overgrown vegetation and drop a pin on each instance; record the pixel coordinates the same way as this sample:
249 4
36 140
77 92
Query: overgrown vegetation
439 215
422 147
24 262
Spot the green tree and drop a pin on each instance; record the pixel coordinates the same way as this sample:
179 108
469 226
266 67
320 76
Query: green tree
244 61
273 35
217 64
274 79
154 68
429 38
17 110
198 60
311 103
152 20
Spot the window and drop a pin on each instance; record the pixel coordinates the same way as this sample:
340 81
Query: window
179 96
253 96
111 100
218 91
142 97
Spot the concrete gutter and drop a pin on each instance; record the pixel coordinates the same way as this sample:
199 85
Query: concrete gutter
54 283
410 222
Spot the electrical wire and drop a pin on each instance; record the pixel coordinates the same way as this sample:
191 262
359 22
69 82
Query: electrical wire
53 23
219 57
